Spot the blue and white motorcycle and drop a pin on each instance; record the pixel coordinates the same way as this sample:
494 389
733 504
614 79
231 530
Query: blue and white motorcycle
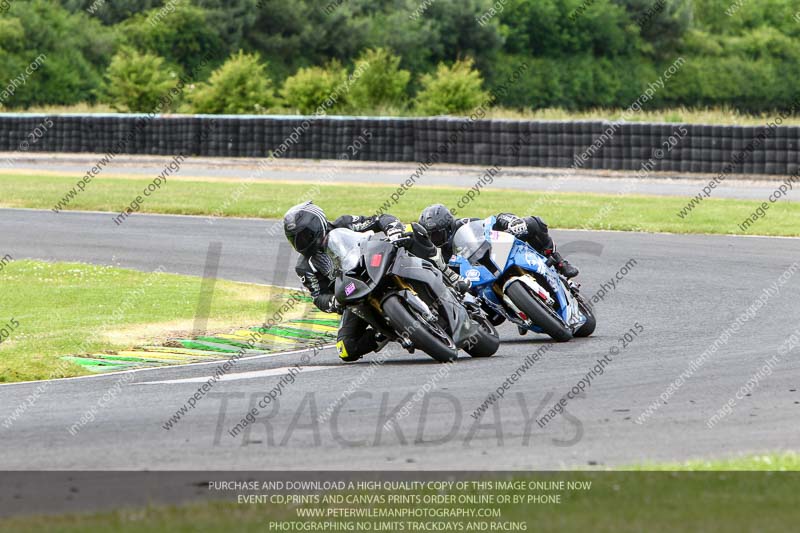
515 281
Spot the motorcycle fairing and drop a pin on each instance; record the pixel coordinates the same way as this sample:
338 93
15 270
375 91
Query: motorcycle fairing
413 268
508 251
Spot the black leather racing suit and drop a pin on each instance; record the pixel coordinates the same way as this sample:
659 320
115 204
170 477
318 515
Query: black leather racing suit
316 273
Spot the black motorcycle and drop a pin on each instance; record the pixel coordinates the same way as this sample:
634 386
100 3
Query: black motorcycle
405 298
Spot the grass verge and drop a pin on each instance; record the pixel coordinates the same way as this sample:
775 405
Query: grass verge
686 115
680 500
68 308
677 115
272 199
780 462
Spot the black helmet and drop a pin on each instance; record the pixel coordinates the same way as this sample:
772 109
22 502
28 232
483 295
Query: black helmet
438 221
305 227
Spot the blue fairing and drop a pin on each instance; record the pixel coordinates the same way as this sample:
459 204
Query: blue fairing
525 257
528 259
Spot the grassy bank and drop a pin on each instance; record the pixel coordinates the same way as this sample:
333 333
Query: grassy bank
678 115
272 199
708 115
615 502
68 308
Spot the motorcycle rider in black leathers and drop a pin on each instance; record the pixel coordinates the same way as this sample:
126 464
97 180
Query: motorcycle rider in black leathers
306 228
441 226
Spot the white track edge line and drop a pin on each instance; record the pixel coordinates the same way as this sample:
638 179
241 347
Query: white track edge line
165 367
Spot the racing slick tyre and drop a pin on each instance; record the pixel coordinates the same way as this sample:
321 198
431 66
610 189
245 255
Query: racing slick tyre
486 341
538 312
430 338
591 323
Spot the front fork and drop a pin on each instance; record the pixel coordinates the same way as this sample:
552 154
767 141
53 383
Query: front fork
410 296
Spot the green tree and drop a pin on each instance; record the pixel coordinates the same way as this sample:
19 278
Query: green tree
381 82
662 23
136 82
310 87
451 90
110 11
300 34
230 19
185 36
75 50
240 85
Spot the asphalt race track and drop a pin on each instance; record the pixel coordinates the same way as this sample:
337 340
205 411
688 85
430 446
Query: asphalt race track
682 290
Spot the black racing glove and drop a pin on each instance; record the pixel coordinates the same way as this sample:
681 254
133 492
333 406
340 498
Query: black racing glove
327 303
394 231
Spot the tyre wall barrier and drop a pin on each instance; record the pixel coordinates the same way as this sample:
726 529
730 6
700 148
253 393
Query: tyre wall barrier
608 145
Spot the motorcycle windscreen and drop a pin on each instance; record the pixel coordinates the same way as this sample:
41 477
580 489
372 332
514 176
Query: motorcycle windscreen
343 247
502 245
470 241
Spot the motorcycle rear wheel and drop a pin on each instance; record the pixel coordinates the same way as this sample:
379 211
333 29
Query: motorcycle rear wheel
486 341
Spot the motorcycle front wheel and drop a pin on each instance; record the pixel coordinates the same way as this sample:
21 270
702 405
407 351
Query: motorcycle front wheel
538 312
591 322
430 338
